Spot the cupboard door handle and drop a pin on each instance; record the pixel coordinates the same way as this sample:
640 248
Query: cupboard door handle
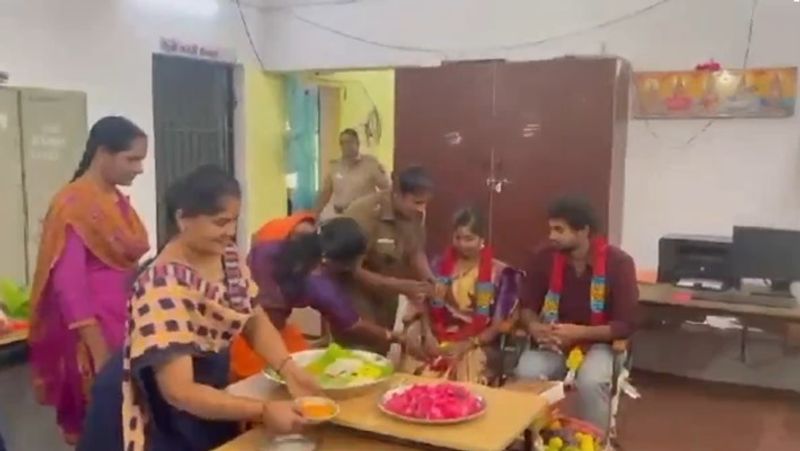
496 185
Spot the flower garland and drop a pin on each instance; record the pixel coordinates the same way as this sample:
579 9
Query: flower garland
484 296
597 299
597 295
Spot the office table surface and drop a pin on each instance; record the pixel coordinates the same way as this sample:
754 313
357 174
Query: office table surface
665 295
12 337
328 438
508 414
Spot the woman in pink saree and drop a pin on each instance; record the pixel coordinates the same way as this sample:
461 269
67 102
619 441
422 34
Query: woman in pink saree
90 246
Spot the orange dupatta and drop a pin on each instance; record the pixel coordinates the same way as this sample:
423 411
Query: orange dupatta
244 361
117 240
280 229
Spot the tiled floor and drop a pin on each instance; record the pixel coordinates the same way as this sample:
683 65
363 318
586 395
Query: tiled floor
676 414
25 425
673 415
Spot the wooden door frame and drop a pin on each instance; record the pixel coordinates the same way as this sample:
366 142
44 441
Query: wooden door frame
330 107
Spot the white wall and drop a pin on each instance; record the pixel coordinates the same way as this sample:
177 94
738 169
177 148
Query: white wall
104 48
738 171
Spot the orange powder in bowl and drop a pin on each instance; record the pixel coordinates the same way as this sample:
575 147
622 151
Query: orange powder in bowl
314 411
320 409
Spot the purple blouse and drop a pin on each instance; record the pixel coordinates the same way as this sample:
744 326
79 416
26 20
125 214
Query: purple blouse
319 290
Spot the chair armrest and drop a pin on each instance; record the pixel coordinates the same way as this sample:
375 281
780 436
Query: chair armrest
506 327
620 346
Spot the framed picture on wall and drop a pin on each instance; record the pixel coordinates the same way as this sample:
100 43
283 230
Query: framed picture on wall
736 93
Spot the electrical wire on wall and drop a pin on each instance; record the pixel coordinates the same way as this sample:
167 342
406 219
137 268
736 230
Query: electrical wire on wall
506 47
745 62
442 54
372 124
248 34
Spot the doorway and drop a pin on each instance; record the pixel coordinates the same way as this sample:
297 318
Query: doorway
193 106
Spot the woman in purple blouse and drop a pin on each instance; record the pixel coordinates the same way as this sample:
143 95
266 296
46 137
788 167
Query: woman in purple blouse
308 271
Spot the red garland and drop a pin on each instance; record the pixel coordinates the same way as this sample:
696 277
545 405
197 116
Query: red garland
479 321
599 249
709 65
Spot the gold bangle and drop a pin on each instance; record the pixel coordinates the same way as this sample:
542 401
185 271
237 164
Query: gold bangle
476 342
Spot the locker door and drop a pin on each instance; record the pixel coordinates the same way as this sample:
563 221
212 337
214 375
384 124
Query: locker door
444 122
12 220
53 137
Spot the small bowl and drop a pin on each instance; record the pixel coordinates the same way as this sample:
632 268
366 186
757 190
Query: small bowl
290 442
317 409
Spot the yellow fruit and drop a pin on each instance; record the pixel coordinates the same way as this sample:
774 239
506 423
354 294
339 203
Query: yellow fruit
555 443
575 359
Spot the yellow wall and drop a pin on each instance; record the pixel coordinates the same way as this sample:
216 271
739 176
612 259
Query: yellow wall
360 90
265 125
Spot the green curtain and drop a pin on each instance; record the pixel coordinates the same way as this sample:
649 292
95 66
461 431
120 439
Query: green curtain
303 149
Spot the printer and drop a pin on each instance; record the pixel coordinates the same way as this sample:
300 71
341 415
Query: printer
696 262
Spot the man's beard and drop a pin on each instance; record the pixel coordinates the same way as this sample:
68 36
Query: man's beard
565 248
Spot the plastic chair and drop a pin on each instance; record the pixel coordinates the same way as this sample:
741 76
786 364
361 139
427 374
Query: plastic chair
620 384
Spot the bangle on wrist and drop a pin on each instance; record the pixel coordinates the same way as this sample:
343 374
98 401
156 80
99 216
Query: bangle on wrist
283 364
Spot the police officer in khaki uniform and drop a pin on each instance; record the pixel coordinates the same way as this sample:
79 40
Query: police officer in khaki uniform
353 176
395 261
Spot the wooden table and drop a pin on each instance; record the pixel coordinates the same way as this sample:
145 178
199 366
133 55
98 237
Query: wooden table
508 416
668 300
12 337
668 296
328 438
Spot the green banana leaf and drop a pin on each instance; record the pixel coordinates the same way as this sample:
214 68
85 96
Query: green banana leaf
333 353
17 299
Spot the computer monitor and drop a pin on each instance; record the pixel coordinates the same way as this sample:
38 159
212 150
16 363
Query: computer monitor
770 254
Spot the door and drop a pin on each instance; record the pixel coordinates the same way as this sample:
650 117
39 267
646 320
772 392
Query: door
555 130
12 224
329 129
443 121
193 106
54 130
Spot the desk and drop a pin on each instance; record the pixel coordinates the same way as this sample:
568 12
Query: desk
664 297
12 337
13 347
328 439
508 416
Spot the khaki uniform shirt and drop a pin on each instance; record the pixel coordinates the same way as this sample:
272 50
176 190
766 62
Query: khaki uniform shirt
392 242
351 182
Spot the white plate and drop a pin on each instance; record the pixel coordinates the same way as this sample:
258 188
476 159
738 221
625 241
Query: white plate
304 358
290 443
388 395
